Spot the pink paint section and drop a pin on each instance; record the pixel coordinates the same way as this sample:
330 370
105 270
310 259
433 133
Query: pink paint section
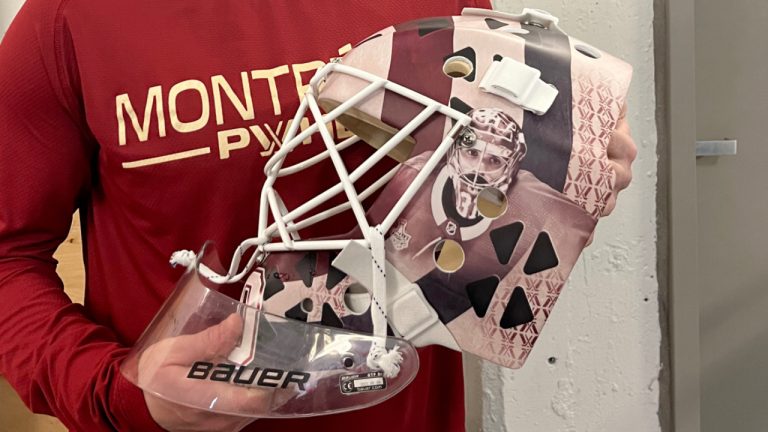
599 92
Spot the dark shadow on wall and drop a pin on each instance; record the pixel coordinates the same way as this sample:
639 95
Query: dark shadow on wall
662 209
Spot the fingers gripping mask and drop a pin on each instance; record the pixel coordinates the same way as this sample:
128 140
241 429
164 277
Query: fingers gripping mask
493 128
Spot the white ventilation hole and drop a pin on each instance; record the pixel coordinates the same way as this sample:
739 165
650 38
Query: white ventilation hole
449 256
492 203
357 300
458 67
307 305
588 51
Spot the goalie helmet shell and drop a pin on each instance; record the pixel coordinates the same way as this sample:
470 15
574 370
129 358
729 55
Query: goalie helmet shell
480 268
499 124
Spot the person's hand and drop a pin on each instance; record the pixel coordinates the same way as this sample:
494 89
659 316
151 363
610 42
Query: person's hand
169 360
622 151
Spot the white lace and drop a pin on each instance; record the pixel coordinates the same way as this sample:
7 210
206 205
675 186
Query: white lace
378 356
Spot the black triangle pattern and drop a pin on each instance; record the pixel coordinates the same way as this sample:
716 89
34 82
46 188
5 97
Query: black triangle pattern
504 240
272 285
296 313
542 257
480 294
518 311
330 318
494 24
460 105
334 275
306 268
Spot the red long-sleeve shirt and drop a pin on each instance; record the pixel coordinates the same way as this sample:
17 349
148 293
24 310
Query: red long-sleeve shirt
154 119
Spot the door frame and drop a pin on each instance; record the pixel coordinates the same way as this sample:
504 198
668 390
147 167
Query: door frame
681 205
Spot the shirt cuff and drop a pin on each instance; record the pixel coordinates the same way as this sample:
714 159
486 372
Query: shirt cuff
130 408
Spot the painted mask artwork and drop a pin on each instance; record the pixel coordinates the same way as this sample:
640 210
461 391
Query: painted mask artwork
495 127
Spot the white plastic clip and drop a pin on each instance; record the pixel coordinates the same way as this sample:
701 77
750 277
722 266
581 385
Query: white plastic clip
539 18
520 84
535 17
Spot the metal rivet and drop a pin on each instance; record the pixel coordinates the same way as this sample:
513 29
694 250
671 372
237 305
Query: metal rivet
348 361
467 138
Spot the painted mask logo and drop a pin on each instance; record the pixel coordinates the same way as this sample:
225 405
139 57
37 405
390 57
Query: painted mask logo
399 238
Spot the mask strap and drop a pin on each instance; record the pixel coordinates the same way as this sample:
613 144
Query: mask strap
378 356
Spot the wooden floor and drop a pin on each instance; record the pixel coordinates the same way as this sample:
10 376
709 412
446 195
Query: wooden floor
14 416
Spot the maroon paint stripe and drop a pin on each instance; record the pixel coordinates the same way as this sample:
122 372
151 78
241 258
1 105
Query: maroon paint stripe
418 49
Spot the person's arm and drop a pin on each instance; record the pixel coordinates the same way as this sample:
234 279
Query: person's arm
58 361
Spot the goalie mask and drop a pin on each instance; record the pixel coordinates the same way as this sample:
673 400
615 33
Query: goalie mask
496 128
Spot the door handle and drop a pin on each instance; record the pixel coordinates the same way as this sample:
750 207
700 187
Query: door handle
716 148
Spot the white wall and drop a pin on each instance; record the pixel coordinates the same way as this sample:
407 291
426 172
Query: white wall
8 9
604 332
